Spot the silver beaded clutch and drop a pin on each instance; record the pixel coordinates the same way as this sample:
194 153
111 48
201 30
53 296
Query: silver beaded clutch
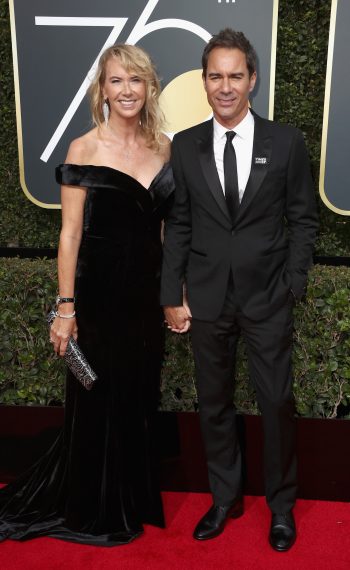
76 361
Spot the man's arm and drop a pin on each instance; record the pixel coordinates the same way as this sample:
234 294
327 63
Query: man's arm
301 214
177 240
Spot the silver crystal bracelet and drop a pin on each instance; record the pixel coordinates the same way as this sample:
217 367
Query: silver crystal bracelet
57 314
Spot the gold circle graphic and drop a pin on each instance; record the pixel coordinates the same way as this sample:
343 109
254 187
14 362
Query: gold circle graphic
184 101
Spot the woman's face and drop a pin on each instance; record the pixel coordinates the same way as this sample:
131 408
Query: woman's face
125 91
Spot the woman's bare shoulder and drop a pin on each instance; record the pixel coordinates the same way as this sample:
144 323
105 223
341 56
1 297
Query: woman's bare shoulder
82 148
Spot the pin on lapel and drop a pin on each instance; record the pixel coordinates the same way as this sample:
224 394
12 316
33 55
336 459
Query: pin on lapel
260 160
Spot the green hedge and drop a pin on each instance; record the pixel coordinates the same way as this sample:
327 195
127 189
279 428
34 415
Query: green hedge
31 374
303 29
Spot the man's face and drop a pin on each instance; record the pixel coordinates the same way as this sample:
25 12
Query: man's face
228 85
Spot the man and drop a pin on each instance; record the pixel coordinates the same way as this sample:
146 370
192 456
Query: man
240 238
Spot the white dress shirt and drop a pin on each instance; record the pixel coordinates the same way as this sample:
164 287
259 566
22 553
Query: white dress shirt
243 145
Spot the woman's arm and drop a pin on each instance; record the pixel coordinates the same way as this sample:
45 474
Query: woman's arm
72 201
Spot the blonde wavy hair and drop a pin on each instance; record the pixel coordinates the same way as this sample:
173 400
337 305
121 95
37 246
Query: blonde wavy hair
135 60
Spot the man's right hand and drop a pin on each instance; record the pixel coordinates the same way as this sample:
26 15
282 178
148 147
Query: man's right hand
178 318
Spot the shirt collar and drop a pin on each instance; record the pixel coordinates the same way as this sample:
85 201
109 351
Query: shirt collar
244 129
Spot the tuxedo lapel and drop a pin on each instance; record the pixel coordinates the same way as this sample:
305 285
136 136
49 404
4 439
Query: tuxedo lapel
208 165
261 159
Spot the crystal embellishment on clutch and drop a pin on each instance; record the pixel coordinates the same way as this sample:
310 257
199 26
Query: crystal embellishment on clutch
76 361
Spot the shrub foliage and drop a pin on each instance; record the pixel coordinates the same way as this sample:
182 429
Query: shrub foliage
31 374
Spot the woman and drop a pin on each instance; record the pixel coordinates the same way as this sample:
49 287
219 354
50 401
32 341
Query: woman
97 484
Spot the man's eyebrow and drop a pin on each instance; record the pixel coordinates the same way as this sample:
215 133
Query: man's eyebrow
233 74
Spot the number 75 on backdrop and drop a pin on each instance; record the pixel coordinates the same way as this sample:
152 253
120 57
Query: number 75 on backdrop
56 46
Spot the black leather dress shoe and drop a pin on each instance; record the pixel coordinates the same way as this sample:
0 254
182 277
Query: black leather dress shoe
213 522
282 532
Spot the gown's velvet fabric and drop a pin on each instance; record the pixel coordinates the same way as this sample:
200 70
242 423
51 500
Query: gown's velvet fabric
98 483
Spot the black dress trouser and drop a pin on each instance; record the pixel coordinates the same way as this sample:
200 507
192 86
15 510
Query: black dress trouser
269 349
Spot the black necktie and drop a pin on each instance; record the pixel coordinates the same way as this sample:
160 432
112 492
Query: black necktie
231 179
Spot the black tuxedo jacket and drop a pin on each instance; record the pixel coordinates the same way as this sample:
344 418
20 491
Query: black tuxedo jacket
269 245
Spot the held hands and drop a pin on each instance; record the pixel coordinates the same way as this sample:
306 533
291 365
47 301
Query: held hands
60 333
178 318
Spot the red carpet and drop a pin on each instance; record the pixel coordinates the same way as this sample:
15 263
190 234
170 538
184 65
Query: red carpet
323 543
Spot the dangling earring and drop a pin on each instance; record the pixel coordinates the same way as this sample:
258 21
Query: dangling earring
105 111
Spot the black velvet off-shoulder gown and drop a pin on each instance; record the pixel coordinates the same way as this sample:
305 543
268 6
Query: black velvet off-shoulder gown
98 482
